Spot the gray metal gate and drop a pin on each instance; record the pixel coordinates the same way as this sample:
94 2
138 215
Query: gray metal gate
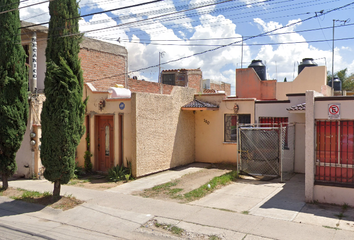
266 151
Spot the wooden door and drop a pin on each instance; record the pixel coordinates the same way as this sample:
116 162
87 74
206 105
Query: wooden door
105 143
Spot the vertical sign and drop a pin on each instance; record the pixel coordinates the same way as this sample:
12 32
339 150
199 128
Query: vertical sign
334 111
34 61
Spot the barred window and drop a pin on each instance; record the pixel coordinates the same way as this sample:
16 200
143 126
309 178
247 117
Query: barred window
230 130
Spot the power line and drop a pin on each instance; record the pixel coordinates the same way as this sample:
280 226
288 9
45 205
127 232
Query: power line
90 14
164 20
226 45
212 4
18 8
225 38
251 44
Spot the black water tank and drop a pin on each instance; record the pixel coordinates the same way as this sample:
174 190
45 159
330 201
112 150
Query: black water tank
306 62
337 84
260 69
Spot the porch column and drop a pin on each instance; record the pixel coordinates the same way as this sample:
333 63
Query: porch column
116 138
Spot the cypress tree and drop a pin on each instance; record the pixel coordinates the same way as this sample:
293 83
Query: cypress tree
63 110
13 89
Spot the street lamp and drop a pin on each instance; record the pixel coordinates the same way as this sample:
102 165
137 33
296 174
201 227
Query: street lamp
334 21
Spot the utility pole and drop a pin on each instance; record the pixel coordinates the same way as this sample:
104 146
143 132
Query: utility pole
334 21
160 80
242 52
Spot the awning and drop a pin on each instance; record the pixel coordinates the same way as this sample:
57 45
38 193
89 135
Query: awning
300 108
199 105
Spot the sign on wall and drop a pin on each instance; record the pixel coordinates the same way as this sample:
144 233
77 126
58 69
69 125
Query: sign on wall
334 111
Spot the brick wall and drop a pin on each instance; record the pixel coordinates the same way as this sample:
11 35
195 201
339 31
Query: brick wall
195 79
97 65
221 87
227 88
148 87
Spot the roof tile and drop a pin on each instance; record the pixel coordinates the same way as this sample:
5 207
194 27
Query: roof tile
200 104
299 107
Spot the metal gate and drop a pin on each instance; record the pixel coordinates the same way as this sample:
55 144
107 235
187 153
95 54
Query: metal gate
266 151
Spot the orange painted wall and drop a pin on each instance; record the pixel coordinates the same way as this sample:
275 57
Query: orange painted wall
249 85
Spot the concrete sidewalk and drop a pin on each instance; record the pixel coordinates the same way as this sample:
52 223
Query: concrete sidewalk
241 210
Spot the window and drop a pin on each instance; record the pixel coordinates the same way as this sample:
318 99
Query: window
230 130
275 122
231 121
244 118
168 79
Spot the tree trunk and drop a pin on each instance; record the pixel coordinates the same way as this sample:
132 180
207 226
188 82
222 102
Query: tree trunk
56 191
5 183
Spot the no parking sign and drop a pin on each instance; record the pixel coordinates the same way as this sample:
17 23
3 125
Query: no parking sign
334 111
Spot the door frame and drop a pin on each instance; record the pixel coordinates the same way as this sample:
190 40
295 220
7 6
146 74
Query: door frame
97 135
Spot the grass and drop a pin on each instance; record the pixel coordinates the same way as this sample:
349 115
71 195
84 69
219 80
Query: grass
30 196
211 186
245 212
168 190
45 198
176 230
77 181
335 228
171 228
214 237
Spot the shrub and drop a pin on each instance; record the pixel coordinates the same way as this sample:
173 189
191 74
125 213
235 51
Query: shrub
120 173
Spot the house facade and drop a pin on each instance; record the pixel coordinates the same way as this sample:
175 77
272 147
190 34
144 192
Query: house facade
94 58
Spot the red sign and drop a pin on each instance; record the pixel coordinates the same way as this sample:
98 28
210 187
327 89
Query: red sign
334 111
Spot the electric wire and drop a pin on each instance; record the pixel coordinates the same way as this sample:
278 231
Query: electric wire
90 14
226 45
31 5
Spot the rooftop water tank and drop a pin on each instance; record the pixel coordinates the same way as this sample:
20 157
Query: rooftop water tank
260 69
337 84
306 62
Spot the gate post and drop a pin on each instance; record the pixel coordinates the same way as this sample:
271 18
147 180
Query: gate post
238 150
281 150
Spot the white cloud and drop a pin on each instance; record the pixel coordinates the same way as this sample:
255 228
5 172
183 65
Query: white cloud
282 59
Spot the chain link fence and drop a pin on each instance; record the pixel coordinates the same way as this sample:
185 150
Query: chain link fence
267 150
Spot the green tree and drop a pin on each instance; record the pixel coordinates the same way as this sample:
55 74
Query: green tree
13 89
63 110
347 81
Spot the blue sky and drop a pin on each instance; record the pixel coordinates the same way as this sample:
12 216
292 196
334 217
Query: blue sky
221 23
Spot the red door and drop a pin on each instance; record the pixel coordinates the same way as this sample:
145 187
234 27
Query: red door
105 143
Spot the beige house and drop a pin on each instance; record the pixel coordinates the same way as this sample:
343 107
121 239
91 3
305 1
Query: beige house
94 56
147 129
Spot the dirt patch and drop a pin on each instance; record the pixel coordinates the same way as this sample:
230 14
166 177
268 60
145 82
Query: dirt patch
63 202
95 182
170 231
174 190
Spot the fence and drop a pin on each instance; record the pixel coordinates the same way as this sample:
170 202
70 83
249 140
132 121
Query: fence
267 151
335 152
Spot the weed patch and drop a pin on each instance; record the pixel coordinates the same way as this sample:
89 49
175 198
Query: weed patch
209 187
172 191
46 198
